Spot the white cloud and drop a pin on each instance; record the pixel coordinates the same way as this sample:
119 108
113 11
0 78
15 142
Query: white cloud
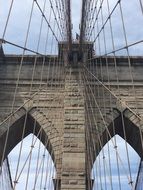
16 32
18 26
100 164
48 171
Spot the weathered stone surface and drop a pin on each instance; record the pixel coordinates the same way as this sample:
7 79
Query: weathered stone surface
74 133
59 108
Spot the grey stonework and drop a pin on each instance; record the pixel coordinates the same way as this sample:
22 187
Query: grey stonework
61 108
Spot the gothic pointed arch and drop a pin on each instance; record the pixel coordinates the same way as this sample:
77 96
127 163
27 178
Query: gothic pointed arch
20 125
126 123
123 124
118 159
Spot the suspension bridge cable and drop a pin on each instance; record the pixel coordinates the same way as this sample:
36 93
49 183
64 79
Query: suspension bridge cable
31 94
41 25
121 161
96 31
18 78
101 95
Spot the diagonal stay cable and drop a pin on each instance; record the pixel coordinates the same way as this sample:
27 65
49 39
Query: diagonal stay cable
46 20
3 41
119 100
105 125
55 18
122 48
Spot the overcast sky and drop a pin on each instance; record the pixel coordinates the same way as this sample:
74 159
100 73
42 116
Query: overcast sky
17 26
16 32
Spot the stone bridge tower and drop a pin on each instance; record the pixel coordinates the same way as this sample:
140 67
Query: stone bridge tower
58 111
